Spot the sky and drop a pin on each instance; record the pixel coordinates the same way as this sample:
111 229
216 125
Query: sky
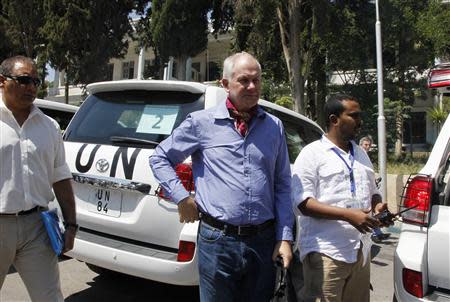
51 74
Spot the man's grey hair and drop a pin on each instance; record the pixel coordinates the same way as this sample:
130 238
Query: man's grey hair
367 138
7 66
228 64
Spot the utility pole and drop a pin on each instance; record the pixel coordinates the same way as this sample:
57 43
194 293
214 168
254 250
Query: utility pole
381 120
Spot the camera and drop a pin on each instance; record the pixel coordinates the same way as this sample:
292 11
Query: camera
385 217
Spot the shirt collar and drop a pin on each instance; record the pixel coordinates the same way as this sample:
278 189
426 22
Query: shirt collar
221 111
34 110
330 145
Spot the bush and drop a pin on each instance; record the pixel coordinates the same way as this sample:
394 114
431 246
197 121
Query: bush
285 101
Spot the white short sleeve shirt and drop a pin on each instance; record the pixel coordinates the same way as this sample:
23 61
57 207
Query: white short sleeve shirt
320 173
32 160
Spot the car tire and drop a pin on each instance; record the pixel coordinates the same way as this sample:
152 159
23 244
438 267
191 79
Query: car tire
394 298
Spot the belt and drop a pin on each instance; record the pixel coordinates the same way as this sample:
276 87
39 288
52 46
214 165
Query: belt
240 230
21 213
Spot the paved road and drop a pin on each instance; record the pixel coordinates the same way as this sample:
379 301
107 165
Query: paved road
382 269
82 285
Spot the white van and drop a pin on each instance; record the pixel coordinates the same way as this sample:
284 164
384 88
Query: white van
126 223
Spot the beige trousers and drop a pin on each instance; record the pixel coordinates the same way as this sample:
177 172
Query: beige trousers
25 245
329 280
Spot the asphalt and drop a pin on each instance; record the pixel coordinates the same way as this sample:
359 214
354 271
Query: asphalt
82 285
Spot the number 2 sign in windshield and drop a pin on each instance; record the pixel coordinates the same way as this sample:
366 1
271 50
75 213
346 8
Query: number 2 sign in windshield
158 119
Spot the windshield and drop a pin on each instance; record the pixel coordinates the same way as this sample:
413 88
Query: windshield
138 118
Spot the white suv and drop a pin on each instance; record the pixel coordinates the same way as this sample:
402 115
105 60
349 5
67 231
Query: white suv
422 257
126 223
60 112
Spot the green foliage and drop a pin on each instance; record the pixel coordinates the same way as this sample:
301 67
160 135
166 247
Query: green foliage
273 89
395 112
434 26
405 164
366 94
285 101
20 21
222 15
7 47
84 35
179 28
350 40
438 115
405 55
42 73
256 31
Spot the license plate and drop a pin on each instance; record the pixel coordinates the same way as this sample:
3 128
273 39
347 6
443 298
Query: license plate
105 202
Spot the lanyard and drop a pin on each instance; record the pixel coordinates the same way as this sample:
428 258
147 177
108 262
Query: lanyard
350 168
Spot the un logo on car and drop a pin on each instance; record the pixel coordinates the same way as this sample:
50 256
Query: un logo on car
102 165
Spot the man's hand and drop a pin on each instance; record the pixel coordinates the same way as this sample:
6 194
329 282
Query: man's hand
361 219
64 195
380 207
284 250
69 237
187 209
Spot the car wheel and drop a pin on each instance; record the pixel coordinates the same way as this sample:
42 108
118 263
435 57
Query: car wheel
394 298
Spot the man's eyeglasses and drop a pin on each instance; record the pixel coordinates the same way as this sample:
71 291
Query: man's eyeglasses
24 80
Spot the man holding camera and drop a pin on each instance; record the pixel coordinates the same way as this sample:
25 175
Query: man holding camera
334 190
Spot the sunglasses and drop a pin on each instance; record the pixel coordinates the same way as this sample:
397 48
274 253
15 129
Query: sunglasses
24 80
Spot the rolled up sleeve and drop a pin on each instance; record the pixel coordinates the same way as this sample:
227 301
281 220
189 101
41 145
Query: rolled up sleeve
304 178
61 170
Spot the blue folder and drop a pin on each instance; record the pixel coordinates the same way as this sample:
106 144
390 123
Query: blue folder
52 225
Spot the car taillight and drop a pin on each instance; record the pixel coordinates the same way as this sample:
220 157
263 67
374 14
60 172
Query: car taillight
412 282
186 251
184 173
417 195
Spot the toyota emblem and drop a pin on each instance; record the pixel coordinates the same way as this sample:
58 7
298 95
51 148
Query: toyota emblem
102 165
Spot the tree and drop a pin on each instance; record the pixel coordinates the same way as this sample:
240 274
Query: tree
256 31
179 28
294 24
20 21
84 35
434 27
19 34
315 38
7 47
405 55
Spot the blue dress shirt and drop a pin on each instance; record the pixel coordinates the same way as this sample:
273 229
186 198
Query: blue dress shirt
239 180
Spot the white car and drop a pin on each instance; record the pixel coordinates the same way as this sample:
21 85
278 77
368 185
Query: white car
60 112
126 223
422 257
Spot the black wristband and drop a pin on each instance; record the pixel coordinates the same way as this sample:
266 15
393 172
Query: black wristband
71 225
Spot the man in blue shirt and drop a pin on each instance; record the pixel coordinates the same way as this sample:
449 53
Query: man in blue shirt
242 179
